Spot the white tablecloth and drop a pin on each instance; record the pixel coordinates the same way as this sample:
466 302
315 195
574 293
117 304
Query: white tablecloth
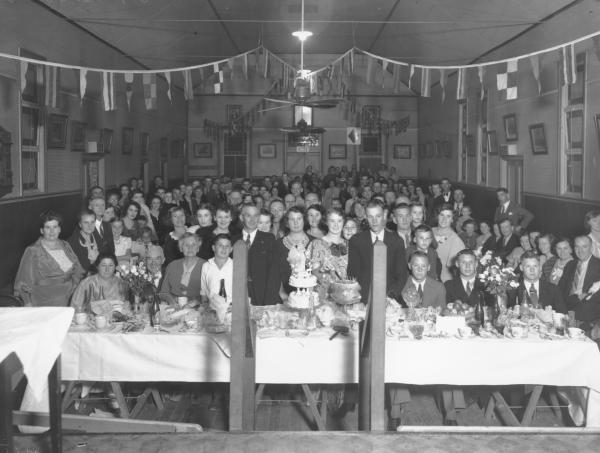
146 357
301 359
36 336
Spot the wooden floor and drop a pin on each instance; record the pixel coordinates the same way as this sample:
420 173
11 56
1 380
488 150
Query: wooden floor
329 442
284 408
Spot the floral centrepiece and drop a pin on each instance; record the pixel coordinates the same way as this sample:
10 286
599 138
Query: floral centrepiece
139 279
495 276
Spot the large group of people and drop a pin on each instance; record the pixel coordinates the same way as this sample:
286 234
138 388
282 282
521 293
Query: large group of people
186 234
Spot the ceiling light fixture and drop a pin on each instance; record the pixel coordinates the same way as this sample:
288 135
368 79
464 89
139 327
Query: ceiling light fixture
302 35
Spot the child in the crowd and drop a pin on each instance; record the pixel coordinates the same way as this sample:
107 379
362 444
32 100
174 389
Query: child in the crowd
465 214
424 241
140 247
468 234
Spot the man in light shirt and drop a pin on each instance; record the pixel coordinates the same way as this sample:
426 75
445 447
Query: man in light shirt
402 220
217 269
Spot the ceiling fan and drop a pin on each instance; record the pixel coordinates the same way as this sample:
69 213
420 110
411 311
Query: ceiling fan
301 94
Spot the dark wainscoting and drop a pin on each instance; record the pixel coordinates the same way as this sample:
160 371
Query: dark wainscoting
19 227
558 215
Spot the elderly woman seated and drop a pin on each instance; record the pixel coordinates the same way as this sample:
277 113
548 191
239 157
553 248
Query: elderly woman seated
183 276
102 284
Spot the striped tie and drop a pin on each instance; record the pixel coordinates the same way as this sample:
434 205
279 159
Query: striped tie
533 296
469 289
576 278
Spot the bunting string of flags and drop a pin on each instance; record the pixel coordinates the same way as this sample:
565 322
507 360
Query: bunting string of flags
331 79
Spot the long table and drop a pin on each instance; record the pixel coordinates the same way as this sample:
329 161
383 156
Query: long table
296 358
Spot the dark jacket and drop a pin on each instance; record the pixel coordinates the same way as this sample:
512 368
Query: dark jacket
587 310
263 270
456 291
503 250
360 263
549 294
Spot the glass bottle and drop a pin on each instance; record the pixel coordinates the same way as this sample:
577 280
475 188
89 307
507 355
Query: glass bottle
480 309
155 313
222 291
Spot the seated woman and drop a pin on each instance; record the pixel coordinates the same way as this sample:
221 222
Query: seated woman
102 284
514 258
183 276
131 227
178 229
486 240
545 246
49 269
564 254
122 244
224 225
205 218
83 242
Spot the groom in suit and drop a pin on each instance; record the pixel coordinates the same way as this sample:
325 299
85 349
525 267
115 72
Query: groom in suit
360 254
465 287
432 292
263 273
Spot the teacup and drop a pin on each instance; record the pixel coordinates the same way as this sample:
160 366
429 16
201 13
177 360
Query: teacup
182 301
575 332
81 318
101 322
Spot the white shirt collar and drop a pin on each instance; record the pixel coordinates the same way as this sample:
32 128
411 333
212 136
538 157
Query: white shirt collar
98 223
377 236
470 280
536 285
416 283
252 235
505 205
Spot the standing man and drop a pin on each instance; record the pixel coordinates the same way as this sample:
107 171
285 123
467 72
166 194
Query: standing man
446 191
402 220
459 202
519 217
360 254
103 231
263 273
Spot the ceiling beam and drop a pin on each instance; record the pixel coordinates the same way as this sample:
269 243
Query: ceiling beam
225 29
385 22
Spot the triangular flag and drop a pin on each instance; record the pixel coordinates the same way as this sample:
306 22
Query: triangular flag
461 84
24 66
245 69
596 42
384 65
535 69
568 74
410 75
425 82
219 78
51 73
108 90
230 65
481 73
352 61
188 89
168 79
128 76
396 78
443 80
266 64
506 80
369 69
150 98
82 83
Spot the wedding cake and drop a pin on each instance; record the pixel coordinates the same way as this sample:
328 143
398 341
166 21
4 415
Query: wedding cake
303 280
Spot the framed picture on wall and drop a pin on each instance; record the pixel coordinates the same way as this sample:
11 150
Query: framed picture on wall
537 135
492 140
105 140
144 143
402 151
203 150
57 131
127 140
337 152
510 127
267 151
78 136
234 112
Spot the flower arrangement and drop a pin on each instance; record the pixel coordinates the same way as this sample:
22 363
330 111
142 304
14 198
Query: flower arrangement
138 278
495 276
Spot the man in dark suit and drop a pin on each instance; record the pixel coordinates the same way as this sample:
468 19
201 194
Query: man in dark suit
360 254
103 231
465 287
578 276
519 217
507 241
432 293
263 273
539 293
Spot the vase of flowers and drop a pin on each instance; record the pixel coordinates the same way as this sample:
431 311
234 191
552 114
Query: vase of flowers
497 279
142 284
